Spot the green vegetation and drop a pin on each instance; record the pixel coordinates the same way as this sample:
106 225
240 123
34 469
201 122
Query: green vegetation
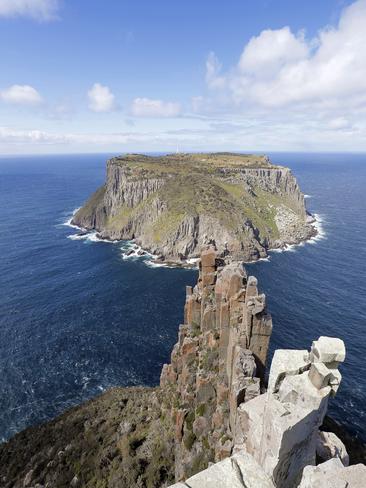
94 201
185 163
117 440
179 194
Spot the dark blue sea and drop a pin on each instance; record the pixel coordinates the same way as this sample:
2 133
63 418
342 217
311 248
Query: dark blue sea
76 318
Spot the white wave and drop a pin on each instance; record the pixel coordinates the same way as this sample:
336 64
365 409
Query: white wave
89 236
318 224
93 237
266 260
308 196
157 264
78 237
69 220
130 250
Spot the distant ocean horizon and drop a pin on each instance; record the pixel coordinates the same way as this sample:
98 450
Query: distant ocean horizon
78 318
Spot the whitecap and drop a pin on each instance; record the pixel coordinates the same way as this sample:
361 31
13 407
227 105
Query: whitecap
89 236
157 264
318 224
69 220
266 260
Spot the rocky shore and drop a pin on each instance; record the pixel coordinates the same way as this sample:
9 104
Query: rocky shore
213 421
173 205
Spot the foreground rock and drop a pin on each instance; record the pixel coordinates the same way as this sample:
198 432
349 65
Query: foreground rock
211 407
276 434
173 205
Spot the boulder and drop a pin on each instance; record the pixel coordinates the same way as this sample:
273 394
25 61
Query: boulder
328 350
329 446
319 375
332 474
237 471
286 362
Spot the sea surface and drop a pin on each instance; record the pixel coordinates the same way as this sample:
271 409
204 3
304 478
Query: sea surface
76 318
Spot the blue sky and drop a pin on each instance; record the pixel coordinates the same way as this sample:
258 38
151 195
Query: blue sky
93 75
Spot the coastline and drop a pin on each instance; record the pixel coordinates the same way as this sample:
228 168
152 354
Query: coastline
130 250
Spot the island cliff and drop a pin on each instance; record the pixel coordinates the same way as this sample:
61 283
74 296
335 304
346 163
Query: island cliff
173 205
211 407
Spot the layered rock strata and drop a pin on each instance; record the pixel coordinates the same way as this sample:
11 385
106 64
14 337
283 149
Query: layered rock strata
173 205
218 362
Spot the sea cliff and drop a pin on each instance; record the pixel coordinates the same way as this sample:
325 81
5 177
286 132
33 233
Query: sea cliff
173 205
212 406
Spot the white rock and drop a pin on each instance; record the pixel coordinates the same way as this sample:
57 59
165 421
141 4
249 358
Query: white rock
286 362
319 375
328 350
329 446
313 475
335 380
237 471
332 474
249 424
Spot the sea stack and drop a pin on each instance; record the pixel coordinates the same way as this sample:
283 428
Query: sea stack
212 422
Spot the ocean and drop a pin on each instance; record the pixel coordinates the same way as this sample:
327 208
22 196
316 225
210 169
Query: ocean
76 318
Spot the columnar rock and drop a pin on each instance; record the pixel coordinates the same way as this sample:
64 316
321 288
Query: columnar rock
280 428
173 205
218 362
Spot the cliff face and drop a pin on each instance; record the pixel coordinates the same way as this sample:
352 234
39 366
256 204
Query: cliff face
210 407
143 437
173 205
217 363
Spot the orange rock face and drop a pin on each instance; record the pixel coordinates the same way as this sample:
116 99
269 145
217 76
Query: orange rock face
218 362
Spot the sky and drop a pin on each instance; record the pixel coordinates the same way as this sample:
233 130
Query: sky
161 75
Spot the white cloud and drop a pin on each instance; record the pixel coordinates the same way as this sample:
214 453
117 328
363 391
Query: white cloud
146 107
213 68
42 10
339 123
272 50
101 99
279 69
242 135
21 94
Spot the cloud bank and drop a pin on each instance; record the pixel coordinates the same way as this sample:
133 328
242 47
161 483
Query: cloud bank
41 10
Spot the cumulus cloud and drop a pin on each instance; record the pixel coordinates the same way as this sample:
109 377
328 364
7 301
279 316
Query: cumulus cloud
101 99
146 107
21 95
279 68
213 68
42 10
